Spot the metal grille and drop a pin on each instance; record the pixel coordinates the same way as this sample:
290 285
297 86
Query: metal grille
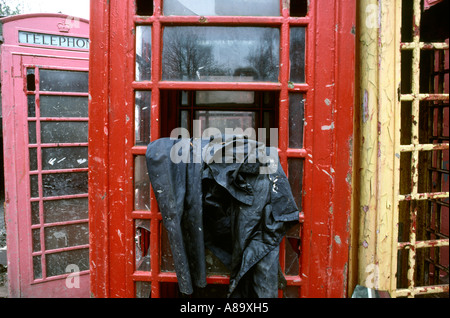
422 259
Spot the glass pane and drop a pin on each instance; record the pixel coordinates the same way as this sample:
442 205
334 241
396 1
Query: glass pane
213 265
142 240
296 117
64 158
292 251
33 159
32 132
34 188
297 54
295 173
234 98
36 233
37 268
65 210
220 7
141 184
142 117
65 183
60 132
143 289
35 219
57 262
31 106
184 120
63 81
143 53
66 235
225 119
220 54
291 292
63 106
167 263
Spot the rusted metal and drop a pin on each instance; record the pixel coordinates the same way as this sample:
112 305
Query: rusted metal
415 148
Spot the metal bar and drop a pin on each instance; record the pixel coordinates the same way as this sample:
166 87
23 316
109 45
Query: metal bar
423 244
423 147
422 290
421 97
415 140
423 196
424 46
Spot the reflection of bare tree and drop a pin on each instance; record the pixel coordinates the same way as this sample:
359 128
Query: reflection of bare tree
185 56
144 62
264 57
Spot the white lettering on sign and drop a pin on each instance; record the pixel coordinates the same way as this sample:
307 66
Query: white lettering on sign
53 40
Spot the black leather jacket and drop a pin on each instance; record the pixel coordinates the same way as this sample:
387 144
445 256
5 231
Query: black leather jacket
237 210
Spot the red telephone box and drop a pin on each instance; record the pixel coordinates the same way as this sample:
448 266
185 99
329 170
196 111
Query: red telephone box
262 64
44 64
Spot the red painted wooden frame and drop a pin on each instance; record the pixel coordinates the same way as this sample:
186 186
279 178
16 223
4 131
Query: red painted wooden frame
330 43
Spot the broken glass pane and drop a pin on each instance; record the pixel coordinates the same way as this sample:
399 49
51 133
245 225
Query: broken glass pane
142 240
244 54
224 8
